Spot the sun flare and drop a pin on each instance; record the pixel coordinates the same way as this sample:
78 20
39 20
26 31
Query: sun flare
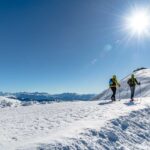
138 22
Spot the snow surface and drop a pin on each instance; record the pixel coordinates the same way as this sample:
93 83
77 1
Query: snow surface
95 125
143 76
79 125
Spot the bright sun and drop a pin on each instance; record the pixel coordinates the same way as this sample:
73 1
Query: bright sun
138 22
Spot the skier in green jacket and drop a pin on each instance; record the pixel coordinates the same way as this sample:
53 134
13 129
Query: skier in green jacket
132 82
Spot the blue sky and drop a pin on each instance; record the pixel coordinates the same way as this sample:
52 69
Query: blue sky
60 46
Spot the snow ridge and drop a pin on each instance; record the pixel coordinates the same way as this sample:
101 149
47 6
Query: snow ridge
8 102
120 134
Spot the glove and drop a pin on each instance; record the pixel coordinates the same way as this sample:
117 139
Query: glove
139 83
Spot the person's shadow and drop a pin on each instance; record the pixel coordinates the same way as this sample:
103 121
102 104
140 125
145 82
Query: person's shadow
104 103
130 103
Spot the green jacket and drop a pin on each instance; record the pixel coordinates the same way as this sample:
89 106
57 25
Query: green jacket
133 82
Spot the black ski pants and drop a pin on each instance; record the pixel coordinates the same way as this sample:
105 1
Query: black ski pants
113 97
132 88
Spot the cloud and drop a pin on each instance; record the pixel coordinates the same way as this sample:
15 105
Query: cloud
94 61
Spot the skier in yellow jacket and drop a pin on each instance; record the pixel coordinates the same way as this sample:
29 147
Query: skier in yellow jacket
113 84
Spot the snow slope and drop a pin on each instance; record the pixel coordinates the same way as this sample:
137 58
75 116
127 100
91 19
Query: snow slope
95 125
124 92
8 102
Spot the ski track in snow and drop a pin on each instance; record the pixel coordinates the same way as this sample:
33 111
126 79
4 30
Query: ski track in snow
78 125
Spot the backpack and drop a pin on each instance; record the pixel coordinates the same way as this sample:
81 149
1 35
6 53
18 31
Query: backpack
110 82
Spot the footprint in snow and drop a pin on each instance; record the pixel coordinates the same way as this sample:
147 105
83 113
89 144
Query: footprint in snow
14 138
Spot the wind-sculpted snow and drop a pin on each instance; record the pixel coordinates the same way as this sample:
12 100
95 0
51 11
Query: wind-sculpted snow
76 126
143 76
8 102
123 133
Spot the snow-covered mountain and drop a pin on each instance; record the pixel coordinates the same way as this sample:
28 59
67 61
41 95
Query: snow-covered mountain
142 75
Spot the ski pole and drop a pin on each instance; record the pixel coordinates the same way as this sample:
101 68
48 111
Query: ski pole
107 93
119 94
140 93
128 92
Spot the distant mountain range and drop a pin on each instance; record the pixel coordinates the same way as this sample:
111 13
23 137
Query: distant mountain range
36 96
